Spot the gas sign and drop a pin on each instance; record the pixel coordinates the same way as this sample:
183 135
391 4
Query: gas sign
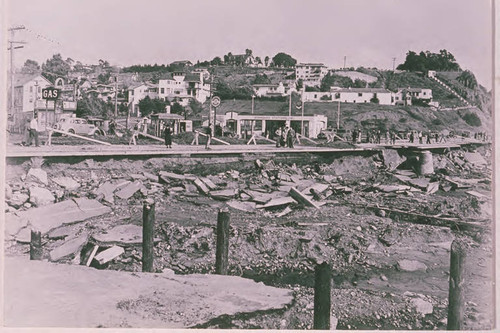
50 93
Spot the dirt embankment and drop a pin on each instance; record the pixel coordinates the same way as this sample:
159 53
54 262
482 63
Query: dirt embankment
388 273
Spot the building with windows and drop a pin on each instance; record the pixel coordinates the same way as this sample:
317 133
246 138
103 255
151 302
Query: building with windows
138 92
181 87
269 90
407 96
362 95
266 125
311 74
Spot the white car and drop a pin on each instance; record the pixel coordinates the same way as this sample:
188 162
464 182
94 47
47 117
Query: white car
75 126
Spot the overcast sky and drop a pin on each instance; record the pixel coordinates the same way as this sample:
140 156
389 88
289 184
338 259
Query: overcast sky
368 32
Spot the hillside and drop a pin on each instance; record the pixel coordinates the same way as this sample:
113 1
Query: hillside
400 118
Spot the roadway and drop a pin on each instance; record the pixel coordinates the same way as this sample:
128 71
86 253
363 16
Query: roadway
157 150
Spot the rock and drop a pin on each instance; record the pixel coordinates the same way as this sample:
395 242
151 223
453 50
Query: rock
24 236
38 175
59 194
108 188
109 254
69 248
423 307
40 196
392 159
67 182
18 199
411 265
380 212
383 277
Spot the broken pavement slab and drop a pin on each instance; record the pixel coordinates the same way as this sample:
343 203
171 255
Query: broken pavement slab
277 202
224 194
108 188
411 265
86 297
51 216
243 206
66 182
129 190
109 254
201 186
175 176
123 235
475 159
71 247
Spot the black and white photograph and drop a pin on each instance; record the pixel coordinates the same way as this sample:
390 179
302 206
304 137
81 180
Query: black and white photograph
266 164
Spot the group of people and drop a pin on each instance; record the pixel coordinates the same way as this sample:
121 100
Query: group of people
376 137
285 137
413 136
31 132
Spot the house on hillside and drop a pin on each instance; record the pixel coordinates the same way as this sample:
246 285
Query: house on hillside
407 96
246 60
316 96
181 87
311 74
362 95
269 90
181 63
138 92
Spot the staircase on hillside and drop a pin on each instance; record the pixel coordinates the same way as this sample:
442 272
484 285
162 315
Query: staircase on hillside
463 100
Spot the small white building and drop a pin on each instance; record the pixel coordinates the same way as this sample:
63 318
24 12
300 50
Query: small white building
316 96
311 74
27 90
138 92
362 95
266 125
182 87
269 90
406 95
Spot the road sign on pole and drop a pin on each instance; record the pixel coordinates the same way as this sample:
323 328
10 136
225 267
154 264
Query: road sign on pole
215 101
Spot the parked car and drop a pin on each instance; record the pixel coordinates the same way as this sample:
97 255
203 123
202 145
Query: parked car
99 124
76 126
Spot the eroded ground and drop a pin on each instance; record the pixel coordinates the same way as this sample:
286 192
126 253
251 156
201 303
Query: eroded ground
388 272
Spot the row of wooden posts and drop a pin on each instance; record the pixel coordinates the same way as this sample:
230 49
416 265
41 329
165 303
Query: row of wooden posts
322 281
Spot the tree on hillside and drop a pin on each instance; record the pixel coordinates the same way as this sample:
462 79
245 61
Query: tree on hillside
30 67
358 83
177 109
266 61
248 53
90 105
217 61
468 79
300 84
55 67
261 79
103 78
284 60
258 60
424 61
155 105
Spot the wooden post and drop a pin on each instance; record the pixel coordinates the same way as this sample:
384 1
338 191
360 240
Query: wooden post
148 220
455 296
36 245
322 302
221 254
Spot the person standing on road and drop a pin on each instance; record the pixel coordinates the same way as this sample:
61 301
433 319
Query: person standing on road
33 131
168 136
278 137
208 132
428 138
135 133
355 136
420 137
290 136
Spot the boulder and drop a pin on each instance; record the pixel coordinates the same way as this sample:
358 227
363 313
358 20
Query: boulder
41 196
18 199
392 159
411 265
67 182
37 174
423 307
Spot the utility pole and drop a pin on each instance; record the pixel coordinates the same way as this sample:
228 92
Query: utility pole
338 116
345 58
211 110
302 120
253 121
11 48
290 106
116 97
393 64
